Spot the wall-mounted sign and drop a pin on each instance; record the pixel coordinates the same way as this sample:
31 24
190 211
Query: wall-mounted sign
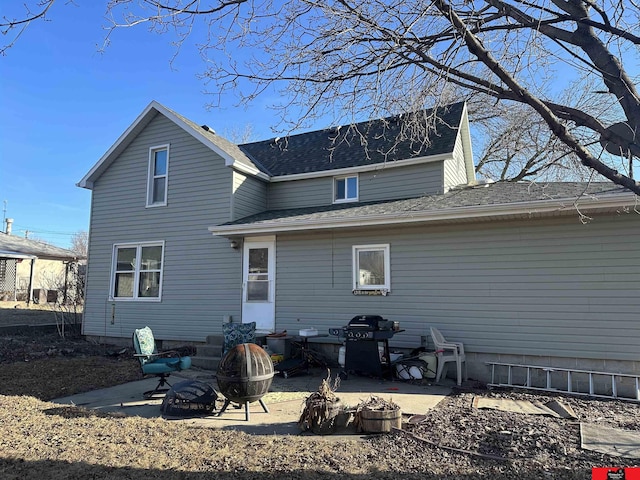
379 292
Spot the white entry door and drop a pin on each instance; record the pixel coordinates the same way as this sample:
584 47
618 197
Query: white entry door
258 282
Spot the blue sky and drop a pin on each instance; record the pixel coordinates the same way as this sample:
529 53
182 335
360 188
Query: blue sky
64 104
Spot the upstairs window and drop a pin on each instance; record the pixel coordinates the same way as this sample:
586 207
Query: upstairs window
345 189
137 271
371 267
158 176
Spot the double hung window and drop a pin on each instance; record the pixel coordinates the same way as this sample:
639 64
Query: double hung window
137 271
158 176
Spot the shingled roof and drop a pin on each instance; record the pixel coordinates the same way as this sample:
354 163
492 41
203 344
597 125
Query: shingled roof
12 246
481 201
365 143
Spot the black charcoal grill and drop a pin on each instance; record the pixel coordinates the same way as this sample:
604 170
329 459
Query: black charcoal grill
363 335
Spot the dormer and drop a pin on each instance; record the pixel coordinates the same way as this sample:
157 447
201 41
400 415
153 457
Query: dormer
369 161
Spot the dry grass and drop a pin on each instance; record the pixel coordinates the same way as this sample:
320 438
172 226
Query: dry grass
42 440
57 377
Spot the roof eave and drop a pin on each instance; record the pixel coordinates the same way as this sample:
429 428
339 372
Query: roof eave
523 209
363 168
249 170
120 144
137 126
16 255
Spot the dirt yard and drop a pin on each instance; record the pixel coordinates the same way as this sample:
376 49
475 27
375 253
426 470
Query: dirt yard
454 440
20 316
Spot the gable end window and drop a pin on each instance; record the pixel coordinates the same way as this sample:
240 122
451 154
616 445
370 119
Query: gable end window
137 271
371 267
345 189
158 176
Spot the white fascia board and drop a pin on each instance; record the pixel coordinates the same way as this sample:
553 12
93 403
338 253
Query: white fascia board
120 143
363 168
248 169
17 255
460 213
139 123
194 133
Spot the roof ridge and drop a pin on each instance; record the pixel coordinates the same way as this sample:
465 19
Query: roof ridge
388 118
362 144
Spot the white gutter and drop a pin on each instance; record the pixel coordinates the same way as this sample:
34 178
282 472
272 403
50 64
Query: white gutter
12 254
249 170
457 213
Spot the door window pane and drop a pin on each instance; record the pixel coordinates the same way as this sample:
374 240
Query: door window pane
258 275
258 260
258 291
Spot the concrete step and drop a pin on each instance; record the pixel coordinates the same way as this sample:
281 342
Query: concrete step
215 339
207 350
205 363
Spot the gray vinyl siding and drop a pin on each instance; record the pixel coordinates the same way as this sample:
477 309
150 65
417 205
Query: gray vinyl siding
401 182
454 168
551 288
202 275
300 193
382 184
249 196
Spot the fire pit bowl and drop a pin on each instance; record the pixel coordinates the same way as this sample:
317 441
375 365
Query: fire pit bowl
244 375
189 398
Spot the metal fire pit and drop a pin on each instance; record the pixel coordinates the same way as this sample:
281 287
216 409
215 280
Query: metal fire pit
244 375
189 398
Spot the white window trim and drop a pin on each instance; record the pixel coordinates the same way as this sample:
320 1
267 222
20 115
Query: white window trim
150 177
385 248
136 274
346 200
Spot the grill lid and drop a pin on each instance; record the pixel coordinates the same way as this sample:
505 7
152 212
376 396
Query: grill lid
369 322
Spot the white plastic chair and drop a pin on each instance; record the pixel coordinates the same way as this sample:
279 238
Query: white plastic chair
448 352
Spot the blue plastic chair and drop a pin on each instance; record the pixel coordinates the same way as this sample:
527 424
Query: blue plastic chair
160 364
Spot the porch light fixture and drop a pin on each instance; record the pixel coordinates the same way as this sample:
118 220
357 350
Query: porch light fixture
234 244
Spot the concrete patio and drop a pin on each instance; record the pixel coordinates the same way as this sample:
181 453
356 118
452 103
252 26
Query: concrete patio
285 401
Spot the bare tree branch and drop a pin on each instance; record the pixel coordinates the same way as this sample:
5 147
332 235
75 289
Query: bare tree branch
7 25
357 59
